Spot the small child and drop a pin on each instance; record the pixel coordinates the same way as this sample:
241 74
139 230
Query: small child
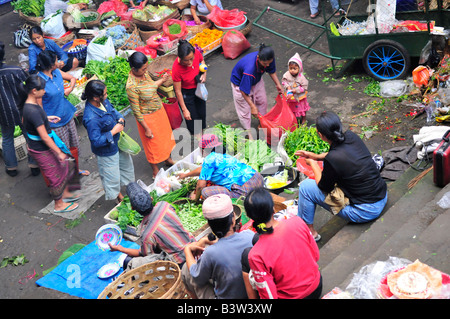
296 86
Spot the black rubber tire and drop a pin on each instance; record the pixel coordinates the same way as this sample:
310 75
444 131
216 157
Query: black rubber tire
400 72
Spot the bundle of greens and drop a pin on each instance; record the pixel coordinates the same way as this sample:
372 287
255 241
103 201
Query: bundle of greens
304 138
175 195
114 74
230 137
80 17
191 215
31 8
125 215
256 153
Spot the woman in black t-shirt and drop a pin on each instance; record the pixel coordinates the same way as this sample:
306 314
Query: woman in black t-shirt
348 167
57 165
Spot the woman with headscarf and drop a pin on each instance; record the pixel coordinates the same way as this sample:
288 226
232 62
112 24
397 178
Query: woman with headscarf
153 123
226 174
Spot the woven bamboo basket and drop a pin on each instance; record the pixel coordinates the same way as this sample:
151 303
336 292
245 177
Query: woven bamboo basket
182 4
157 25
197 28
156 280
69 36
31 20
159 64
135 39
145 35
71 24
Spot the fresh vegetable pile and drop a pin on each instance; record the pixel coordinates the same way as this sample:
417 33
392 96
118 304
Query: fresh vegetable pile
125 215
118 34
205 38
255 153
152 13
17 131
31 8
115 75
191 215
304 138
101 40
80 17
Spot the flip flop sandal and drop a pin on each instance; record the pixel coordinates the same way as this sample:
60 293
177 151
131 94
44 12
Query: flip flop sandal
71 199
67 209
315 15
84 172
317 238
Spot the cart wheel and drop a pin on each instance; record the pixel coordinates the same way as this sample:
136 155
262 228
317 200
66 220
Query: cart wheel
386 60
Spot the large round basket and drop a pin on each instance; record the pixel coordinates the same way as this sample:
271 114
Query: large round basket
157 25
145 35
159 64
135 39
66 38
182 4
31 20
156 280
71 24
197 28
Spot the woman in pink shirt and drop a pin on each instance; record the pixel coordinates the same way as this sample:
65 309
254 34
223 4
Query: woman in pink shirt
284 260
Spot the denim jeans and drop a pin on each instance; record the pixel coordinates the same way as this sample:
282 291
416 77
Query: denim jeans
9 150
310 195
314 5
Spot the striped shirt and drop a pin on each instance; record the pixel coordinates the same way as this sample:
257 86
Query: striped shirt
143 96
10 79
162 230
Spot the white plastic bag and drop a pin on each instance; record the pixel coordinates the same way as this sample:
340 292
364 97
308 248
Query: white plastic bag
444 202
100 52
201 91
393 88
366 282
53 25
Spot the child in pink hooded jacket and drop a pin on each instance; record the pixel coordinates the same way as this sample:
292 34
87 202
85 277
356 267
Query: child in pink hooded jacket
296 86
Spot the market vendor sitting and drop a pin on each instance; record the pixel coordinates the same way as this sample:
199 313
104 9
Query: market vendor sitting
227 174
161 232
350 184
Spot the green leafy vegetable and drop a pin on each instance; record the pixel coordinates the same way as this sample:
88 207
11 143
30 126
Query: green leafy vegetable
191 215
304 138
31 8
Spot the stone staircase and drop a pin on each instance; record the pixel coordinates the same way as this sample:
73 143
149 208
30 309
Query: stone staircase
412 226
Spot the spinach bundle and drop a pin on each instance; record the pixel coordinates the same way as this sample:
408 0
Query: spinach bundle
30 8
304 138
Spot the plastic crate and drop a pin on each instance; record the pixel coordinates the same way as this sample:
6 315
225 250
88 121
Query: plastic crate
20 145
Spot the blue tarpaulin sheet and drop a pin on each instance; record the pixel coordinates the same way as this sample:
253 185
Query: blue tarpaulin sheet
77 275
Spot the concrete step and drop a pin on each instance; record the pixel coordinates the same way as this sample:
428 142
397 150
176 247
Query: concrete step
408 233
361 241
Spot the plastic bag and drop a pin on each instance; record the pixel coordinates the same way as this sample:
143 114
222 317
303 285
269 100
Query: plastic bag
226 18
365 283
148 51
421 75
155 41
128 145
100 52
113 5
305 168
171 22
201 91
444 202
279 118
173 113
234 43
393 88
53 25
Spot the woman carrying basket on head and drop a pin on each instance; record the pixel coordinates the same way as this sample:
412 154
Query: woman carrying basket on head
50 153
153 123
